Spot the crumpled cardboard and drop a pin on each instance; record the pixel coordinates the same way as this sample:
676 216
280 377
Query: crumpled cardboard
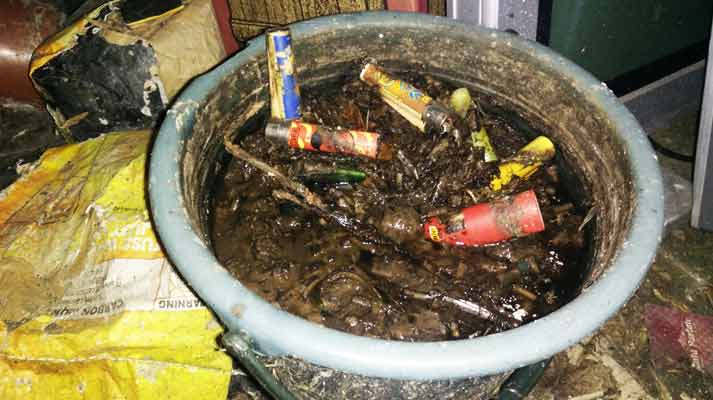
101 74
91 308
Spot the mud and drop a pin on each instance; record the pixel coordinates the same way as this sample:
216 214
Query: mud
409 289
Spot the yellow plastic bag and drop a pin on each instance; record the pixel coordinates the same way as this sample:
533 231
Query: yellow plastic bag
90 308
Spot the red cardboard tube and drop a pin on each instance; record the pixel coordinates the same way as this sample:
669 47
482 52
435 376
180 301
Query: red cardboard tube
489 223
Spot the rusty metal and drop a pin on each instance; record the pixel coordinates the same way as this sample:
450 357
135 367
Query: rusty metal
24 24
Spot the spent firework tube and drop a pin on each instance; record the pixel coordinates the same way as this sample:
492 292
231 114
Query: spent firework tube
525 163
312 137
407 100
417 107
488 223
284 91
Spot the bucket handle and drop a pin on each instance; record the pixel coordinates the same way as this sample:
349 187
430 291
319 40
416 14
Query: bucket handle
239 346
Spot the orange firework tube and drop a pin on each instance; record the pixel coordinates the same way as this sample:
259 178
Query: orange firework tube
312 137
489 223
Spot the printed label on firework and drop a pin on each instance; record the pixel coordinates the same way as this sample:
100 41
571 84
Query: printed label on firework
433 231
284 91
319 138
408 101
401 90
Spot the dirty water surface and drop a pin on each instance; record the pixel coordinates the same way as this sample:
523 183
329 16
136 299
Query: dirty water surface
403 287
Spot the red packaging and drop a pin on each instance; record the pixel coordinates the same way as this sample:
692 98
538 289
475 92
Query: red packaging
488 223
675 336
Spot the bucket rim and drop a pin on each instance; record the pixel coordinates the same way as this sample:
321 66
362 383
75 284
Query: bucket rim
277 333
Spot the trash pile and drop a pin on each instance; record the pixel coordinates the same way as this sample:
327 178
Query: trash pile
118 66
374 207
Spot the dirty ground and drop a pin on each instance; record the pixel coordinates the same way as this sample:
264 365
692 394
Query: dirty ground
615 362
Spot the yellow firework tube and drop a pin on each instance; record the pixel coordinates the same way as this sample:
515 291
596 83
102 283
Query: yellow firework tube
407 100
527 160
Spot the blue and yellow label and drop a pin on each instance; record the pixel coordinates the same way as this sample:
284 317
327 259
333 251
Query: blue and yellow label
284 90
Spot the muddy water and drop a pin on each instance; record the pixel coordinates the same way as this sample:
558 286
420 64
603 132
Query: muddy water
410 289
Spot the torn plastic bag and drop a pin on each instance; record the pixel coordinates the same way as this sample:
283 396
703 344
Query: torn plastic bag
91 309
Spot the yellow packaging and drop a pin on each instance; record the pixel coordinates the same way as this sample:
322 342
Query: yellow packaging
408 101
91 308
527 160
481 139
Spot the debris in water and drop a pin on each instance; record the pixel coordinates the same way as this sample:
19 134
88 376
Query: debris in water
461 101
407 163
339 240
590 214
481 139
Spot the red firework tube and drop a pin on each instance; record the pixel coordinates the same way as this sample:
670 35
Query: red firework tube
488 223
304 136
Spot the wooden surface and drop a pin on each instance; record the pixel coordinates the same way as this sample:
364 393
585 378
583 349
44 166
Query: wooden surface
437 7
251 17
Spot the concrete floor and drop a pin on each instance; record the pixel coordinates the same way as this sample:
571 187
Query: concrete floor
615 362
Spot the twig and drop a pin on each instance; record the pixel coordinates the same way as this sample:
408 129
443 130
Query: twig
287 196
464 305
590 214
524 293
437 211
563 208
438 149
472 196
295 187
310 201
402 157
437 189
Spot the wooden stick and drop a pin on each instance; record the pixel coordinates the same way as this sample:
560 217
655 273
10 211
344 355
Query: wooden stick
309 201
293 186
